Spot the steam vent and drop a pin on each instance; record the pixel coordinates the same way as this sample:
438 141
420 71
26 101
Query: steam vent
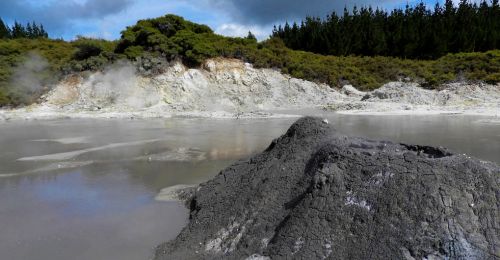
316 194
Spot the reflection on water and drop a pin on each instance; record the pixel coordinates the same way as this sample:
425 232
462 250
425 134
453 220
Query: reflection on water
85 189
461 134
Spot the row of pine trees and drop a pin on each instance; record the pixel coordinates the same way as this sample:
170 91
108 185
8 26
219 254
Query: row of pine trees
412 32
31 30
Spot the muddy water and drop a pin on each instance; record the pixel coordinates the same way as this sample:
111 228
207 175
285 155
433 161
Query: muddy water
84 189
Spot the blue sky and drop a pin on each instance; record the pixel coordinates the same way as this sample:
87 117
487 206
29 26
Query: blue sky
106 18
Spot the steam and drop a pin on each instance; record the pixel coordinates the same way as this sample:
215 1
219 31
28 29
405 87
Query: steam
29 77
119 85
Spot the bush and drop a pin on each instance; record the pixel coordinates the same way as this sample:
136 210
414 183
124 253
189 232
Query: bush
14 52
86 51
134 52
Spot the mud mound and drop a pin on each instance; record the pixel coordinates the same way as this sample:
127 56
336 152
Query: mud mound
315 194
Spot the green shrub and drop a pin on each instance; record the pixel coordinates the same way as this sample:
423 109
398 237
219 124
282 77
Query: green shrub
86 51
14 52
134 52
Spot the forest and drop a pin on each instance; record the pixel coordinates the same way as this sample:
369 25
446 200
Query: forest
30 31
415 32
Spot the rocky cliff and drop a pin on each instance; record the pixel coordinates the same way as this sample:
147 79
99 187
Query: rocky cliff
231 88
315 194
220 85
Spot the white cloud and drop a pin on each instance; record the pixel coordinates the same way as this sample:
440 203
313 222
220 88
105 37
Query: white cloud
456 2
106 18
240 30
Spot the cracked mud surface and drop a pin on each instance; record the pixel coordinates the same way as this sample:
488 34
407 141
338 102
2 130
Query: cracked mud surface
316 194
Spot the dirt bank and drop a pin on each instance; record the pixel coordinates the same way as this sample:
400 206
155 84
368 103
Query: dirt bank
315 194
410 98
227 88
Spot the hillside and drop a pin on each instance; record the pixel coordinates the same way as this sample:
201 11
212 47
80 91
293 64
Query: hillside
151 45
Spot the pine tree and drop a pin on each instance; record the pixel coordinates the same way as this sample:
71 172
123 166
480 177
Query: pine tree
29 31
36 30
251 36
18 30
43 33
4 30
411 32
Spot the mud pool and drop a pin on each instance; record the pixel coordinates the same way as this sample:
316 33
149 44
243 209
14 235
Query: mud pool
85 189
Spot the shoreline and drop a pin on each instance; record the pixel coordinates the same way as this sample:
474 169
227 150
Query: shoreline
20 115
137 115
472 112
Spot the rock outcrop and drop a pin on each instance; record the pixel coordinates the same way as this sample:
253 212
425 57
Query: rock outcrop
220 85
232 88
453 94
411 98
315 194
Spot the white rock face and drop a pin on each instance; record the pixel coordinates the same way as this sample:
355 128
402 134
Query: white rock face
352 91
221 85
230 88
452 94
406 98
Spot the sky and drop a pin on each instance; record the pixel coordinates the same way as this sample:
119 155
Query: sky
107 18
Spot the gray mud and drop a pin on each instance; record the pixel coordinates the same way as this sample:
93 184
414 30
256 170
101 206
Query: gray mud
316 194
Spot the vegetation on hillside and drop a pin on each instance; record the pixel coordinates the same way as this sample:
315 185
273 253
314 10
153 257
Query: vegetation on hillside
415 32
368 73
15 53
171 38
174 38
